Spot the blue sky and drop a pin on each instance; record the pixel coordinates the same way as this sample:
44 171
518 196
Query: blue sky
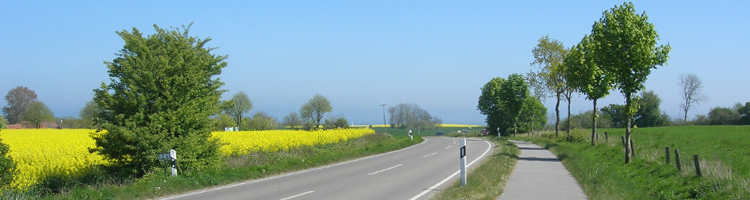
359 54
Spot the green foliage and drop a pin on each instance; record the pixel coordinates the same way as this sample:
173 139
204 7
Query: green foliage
723 116
513 94
292 120
602 175
549 55
533 113
7 165
18 98
88 113
649 114
37 113
163 92
410 116
341 123
262 121
745 112
315 108
3 122
220 121
236 107
491 105
584 121
625 48
615 114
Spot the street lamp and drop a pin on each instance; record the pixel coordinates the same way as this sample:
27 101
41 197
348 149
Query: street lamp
383 105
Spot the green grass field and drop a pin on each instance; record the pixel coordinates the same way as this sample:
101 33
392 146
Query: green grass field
724 153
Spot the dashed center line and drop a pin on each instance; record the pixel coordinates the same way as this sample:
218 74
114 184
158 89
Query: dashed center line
384 170
449 146
295 196
433 153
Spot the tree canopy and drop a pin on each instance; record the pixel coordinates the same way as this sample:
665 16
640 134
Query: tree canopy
163 89
292 120
625 46
315 108
18 98
37 113
236 107
585 76
549 55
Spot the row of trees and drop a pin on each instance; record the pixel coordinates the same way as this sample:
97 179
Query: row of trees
619 54
24 107
411 116
510 107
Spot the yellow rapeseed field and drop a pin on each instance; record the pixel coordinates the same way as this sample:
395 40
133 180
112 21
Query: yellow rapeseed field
41 153
243 142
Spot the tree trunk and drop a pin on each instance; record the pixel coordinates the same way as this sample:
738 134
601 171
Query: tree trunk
569 95
532 126
593 131
628 115
557 112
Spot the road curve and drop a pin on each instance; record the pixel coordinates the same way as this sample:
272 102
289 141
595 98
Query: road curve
415 172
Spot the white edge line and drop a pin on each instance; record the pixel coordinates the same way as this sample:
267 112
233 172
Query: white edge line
289 174
433 153
370 174
449 146
451 176
295 196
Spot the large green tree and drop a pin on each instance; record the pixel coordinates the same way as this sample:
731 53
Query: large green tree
625 46
491 105
238 106
163 88
37 113
649 114
585 76
548 57
315 108
513 94
88 113
533 115
18 98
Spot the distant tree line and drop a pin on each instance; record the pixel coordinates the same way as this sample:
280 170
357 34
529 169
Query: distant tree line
411 116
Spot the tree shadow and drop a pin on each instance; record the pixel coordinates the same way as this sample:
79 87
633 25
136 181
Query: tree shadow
540 159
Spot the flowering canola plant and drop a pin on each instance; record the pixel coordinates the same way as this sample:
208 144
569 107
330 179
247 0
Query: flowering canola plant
244 142
63 153
41 153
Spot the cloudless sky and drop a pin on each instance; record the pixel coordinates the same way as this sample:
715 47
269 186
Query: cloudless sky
360 54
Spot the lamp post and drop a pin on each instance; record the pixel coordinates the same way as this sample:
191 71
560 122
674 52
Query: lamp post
383 105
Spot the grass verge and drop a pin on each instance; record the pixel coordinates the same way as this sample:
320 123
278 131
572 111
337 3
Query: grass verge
602 173
487 179
234 169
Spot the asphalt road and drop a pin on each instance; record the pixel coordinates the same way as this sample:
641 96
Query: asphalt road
417 172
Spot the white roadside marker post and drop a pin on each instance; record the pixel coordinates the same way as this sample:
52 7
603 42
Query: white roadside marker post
411 136
173 155
463 161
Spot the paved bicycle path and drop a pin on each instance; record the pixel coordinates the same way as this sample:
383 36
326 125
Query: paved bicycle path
539 174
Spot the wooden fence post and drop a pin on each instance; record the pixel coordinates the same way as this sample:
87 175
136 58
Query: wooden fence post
677 159
606 137
667 155
697 165
632 150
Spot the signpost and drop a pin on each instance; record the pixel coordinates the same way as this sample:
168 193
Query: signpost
411 136
463 162
170 156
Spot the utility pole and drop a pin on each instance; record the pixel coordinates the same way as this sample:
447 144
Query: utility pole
383 105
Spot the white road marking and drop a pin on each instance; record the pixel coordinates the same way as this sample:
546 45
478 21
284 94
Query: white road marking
289 174
295 196
449 146
433 153
383 170
452 175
